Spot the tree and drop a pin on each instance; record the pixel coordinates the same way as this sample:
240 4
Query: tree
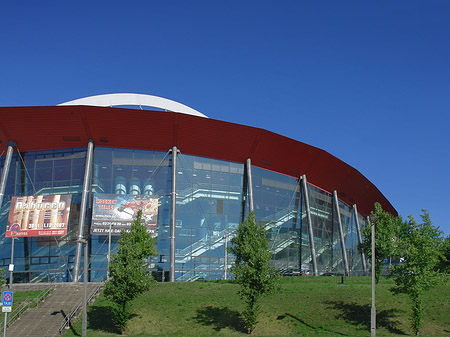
421 246
444 263
252 268
128 270
386 228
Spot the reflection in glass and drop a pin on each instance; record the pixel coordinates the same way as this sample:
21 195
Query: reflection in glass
211 200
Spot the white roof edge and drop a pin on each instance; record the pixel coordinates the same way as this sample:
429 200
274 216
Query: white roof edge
109 100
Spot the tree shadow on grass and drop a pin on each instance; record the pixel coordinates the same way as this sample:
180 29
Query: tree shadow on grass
313 328
357 314
220 318
101 318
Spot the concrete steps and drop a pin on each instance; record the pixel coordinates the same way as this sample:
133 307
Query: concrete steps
46 319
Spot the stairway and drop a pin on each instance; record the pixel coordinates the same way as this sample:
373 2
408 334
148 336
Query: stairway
46 319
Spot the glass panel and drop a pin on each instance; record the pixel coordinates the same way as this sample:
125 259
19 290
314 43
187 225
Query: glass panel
124 171
208 209
37 173
325 233
354 256
277 202
362 224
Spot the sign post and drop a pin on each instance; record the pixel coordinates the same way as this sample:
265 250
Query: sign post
7 305
373 311
4 325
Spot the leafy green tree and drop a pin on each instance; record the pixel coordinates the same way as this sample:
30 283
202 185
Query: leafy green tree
128 270
387 228
444 263
252 268
421 247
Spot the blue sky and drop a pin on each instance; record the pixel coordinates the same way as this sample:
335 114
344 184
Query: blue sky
369 82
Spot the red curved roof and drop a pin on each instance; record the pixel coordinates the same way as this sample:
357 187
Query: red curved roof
55 127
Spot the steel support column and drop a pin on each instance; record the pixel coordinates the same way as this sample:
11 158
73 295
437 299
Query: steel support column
5 171
358 232
173 214
244 194
310 229
248 164
225 271
341 232
83 208
373 310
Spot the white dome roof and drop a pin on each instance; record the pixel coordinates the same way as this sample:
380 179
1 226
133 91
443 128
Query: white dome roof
135 100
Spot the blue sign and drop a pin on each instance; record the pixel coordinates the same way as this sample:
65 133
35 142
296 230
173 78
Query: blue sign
7 298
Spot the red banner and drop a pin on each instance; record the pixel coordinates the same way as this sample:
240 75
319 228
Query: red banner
41 215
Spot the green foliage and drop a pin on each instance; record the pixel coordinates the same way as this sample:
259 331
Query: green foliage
252 268
444 263
387 228
421 247
128 270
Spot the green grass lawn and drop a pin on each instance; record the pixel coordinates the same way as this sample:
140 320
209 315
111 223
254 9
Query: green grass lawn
21 296
303 307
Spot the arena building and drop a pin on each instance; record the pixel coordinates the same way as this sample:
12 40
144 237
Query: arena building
81 169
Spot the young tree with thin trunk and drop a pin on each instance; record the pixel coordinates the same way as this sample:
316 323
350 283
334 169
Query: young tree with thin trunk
386 228
252 268
128 270
422 247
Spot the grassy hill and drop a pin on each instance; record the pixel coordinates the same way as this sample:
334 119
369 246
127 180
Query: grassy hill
303 307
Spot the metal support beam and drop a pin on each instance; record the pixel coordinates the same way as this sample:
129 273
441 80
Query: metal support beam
310 229
248 164
244 193
358 232
11 265
83 208
5 171
173 214
225 270
373 311
341 232
109 251
85 280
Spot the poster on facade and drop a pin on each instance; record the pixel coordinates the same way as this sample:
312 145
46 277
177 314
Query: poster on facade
118 211
40 215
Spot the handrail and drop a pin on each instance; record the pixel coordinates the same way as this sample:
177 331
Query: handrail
77 306
28 303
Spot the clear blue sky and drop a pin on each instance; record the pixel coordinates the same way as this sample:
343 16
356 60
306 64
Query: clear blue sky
367 81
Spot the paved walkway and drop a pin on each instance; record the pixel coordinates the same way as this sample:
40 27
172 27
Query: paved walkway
46 319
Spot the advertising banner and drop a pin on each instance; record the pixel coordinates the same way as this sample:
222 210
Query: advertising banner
41 215
118 211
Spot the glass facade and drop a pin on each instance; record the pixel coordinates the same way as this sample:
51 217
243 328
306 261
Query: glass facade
41 259
277 205
211 200
209 203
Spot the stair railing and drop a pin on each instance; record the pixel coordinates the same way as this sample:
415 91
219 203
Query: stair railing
67 320
28 303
